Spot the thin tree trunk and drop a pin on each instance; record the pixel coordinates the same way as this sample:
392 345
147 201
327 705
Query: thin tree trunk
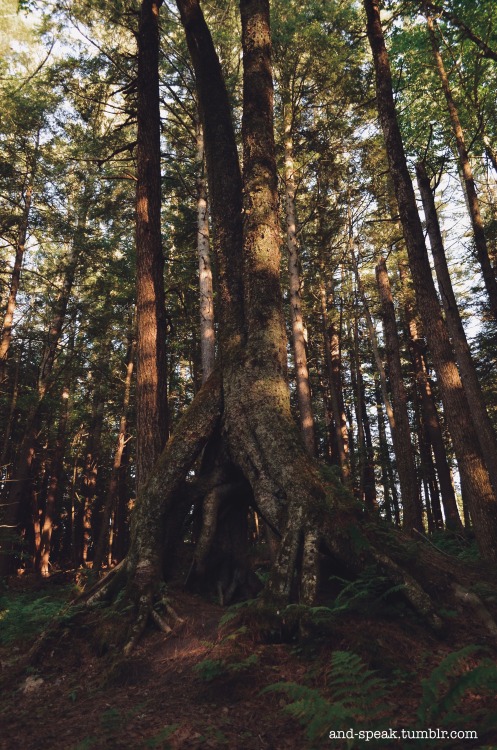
469 376
374 345
475 480
369 482
19 496
298 332
207 332
429 411
16 271
9 423
43 558
355 364
120 527
467 172
333 365
151 386
111 501
402 434
90 471
383 450
427 469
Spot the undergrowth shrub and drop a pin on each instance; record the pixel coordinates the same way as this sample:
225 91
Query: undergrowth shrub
358 699
23 616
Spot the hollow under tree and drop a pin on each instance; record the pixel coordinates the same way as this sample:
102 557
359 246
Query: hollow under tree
240 419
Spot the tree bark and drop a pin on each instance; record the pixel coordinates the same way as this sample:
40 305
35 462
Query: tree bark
43 558
111 500
19 495
207 333
430 416
151 386
297 320
469 376
16 271
468 179
474 475
406 466
333 366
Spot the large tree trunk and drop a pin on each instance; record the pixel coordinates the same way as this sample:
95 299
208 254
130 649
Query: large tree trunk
467 173
151 386
241 415
475 480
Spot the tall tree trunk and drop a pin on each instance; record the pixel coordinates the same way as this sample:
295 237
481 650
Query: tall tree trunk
19 496
207 333
151 386
402 434
9 422
429 410
298 332
245 405
469 376
16 271
333 366
355 363
43 558
111 500
475 480
369 482
90 472
384 457
467 172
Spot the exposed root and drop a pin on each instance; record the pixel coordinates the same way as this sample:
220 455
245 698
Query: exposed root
161 623
145 610
104 588
414 593
473 601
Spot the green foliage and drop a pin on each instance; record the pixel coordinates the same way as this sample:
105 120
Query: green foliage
447 686
457 546
86 744
357 698
209 669
161 739
23 616
234 610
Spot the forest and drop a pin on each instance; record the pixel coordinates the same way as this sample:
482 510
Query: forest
248 374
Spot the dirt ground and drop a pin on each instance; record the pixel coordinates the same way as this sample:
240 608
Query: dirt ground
202 687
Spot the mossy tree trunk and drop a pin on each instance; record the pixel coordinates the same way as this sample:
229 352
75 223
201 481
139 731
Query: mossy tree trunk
240 419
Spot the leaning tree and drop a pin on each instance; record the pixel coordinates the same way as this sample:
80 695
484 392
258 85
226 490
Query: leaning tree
238 433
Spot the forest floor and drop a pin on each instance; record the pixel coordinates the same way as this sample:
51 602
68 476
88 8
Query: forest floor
203 686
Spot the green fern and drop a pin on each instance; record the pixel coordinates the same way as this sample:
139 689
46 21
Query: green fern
449 683
23 616
357 699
